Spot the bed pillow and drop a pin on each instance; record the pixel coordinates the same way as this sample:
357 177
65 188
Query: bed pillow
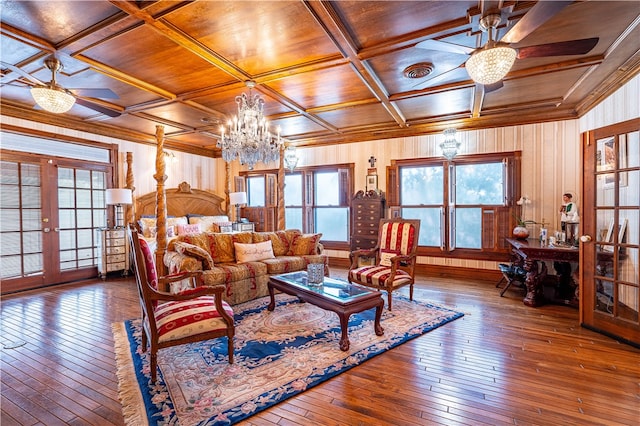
188 229
253 252
194 251
209 223
148 226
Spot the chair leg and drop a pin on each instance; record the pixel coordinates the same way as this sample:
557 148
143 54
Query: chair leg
500 282
389 297
411 292
506 287
230 348
153 357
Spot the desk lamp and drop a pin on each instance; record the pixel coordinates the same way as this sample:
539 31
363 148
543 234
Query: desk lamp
237 198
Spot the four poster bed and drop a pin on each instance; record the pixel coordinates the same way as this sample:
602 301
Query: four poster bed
183 225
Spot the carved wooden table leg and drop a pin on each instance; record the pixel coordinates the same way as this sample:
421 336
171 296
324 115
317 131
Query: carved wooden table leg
535 295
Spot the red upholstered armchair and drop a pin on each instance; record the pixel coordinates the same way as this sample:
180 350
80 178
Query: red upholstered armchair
192 315
395 257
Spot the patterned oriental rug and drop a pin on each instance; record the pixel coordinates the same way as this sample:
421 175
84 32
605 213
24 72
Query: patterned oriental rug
277 355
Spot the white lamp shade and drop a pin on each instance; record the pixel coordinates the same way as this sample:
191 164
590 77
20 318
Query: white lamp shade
238 198
118 196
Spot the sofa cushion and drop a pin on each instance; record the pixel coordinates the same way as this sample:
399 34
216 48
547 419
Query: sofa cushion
306 244
231 272
195 251
253 252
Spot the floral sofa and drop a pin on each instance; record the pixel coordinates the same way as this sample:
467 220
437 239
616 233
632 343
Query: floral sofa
244 261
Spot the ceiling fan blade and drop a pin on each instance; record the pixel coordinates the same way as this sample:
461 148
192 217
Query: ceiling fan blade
443 46
95 93
22 73
96 107
431 80
540 13
571 47
493 87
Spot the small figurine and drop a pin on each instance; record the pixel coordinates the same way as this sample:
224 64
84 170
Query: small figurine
568 212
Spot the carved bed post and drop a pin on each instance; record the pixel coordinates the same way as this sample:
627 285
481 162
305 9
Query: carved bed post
281 219
131 214
161 202
227 186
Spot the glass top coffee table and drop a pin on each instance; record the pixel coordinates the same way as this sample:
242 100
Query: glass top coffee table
333 295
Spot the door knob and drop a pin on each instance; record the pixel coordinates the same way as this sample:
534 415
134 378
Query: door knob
585 238
47 229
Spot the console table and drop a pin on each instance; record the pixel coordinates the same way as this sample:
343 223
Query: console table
528 253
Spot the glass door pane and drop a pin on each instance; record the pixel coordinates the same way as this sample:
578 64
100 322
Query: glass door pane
611 292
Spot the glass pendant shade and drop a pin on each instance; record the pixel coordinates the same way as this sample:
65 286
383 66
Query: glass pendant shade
450 145
52 99
491 64
248 137
290 158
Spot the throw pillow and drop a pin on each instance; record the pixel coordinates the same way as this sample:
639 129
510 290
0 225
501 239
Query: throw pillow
253 252
306 244
385 257
194 251
189 229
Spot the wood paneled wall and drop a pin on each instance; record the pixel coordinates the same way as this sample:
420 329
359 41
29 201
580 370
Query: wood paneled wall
551 158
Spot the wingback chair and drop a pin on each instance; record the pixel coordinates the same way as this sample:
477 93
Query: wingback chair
395 258
192 315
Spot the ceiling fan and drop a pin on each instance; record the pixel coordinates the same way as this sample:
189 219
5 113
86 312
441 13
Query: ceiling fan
489 64
57 99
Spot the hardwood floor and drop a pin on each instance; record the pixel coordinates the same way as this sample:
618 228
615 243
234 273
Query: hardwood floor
502 363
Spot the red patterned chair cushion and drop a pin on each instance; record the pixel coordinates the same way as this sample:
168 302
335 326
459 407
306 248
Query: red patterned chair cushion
149 262
397 237
185 318
376 276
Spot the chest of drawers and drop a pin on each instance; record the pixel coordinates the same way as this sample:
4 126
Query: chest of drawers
113 251
367 208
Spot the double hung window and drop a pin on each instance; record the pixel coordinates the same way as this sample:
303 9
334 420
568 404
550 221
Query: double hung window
464 206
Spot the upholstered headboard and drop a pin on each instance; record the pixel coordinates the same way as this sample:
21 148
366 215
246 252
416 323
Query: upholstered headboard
182 201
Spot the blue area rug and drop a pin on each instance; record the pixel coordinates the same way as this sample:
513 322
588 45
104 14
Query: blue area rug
277 355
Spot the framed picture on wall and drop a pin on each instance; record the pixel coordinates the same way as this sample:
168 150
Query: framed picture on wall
372 182
607 156
394 212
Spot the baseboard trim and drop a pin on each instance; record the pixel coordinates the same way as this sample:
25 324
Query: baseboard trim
436 270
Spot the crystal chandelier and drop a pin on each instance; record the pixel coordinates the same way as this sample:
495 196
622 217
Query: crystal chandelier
491 63
450 145
249 138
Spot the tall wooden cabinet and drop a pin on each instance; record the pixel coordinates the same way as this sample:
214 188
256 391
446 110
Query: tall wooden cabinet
367 208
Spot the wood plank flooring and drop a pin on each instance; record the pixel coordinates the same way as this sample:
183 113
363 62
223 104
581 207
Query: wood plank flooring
502 363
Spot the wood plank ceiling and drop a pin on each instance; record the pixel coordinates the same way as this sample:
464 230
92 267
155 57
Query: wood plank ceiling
329 72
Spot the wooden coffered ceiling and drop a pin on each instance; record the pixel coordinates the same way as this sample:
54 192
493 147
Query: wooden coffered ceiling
329 72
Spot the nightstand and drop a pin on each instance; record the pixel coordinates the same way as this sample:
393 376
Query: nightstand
243 226
113 251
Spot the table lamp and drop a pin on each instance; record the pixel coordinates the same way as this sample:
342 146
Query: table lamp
117 197
237 198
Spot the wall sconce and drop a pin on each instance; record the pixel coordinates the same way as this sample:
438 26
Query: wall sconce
450 145
170 157
290 158
117 197
237 198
